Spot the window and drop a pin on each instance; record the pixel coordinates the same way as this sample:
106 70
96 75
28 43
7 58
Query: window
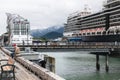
16 29
23 29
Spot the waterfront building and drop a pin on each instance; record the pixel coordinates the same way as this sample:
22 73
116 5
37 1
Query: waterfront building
105 22
18 29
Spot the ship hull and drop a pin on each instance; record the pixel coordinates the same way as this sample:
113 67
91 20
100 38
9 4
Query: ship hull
101 38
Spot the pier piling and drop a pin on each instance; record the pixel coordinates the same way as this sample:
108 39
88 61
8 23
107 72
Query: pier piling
106 63
97 62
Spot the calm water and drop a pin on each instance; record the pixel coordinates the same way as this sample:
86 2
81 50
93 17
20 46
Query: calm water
79 65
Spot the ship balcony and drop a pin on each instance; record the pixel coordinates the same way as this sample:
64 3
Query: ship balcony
109 2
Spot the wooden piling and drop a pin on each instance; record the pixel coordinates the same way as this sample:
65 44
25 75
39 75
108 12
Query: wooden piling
106 63
97 62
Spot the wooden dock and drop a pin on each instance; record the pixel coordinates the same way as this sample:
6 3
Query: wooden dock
26 70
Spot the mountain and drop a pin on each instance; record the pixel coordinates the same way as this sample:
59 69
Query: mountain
49 33
52 35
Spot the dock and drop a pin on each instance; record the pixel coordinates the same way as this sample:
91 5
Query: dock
27 70
62 44
85 46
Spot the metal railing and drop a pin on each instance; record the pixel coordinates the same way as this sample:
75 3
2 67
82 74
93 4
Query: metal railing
60 44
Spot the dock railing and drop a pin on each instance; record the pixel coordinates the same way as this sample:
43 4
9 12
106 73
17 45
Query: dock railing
42 73
84 45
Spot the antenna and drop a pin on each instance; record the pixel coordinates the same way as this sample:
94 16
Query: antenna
86 8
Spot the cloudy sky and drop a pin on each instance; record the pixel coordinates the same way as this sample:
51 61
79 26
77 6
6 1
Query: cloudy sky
44 13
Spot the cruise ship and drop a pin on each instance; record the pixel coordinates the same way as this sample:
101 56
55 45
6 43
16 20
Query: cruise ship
18 30
103 26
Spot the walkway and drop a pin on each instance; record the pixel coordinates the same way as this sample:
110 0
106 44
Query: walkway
20 72
27 70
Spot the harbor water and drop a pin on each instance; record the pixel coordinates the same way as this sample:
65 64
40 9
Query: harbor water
80 65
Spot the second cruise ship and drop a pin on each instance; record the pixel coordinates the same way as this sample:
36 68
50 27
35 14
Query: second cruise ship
103 26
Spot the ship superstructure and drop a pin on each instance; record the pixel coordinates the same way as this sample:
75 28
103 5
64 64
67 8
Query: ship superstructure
105 23
72 26
18 29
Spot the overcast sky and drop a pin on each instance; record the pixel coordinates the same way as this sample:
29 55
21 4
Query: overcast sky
44 13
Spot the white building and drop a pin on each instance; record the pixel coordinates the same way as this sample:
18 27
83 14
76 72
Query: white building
18 30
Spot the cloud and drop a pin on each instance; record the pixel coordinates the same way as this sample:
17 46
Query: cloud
44 13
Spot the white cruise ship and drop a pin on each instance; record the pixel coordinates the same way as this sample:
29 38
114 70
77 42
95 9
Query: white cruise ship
18 29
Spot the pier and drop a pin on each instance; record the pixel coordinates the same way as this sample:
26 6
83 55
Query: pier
98 48
88 46
106 54
27 70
